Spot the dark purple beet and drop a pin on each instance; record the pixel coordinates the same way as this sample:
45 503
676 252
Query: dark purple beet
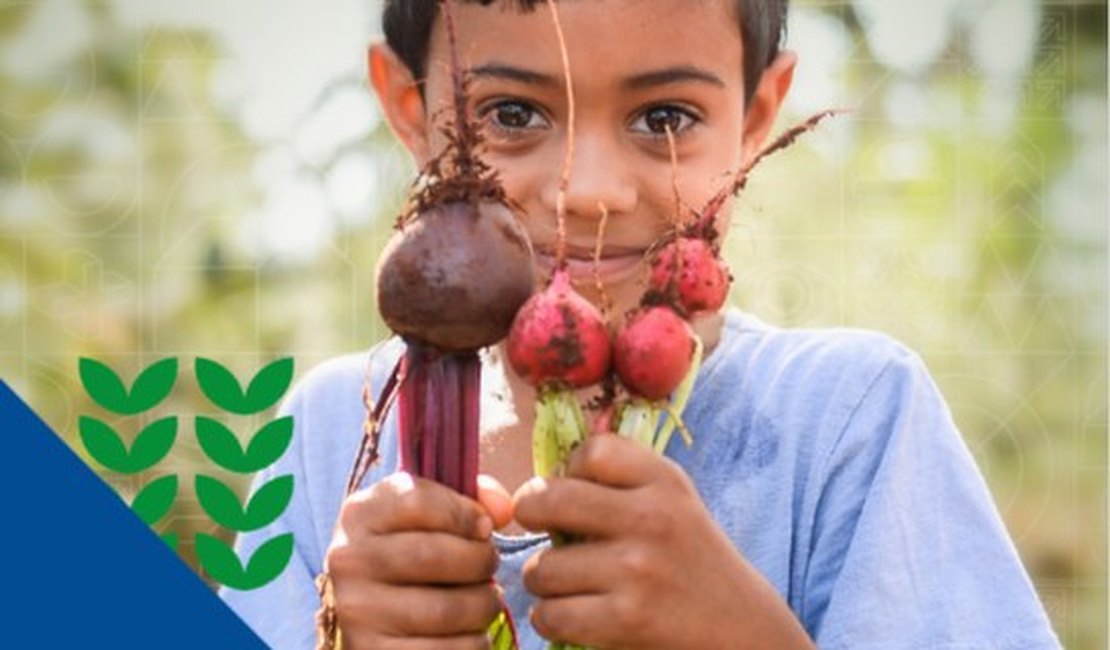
455 276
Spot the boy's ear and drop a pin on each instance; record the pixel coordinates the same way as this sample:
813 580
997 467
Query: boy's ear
400 99
766 102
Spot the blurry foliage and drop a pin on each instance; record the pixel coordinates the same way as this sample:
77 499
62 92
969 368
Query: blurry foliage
123 187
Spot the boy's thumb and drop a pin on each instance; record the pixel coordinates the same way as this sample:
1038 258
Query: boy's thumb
496 500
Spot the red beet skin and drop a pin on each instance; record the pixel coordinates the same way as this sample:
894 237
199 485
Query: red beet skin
559 337
438 414
454 277
653 352
700 281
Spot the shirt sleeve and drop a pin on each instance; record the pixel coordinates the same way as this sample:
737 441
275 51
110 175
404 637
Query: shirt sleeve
908 550
282 612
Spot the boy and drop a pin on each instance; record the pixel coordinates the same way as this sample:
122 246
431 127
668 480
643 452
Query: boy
827 498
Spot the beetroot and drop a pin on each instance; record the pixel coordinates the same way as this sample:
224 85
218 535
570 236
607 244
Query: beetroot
559 337
454 277
449 283
653 352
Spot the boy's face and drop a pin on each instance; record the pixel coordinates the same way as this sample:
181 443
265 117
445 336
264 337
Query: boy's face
638 67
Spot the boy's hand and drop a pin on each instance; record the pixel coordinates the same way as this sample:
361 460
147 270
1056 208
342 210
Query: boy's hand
654 571
411 563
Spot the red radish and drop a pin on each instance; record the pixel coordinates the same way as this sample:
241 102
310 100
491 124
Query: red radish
691 267
653 351
559 337
687 271
559 340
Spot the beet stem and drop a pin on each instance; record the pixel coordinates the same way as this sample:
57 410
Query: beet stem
438 417
438 431
740 180
606 304
678 203
408 426
430 424
564 176
449 449
470 377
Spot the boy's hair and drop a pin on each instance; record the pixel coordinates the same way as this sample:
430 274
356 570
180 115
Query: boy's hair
408 28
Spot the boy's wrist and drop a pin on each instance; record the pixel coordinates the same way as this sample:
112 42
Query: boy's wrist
767 622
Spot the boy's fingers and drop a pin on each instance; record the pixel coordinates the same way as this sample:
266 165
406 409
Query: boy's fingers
572 569
496 500
611 460
586 620
574 506
402 502
460 642
417 610
441 612
416 558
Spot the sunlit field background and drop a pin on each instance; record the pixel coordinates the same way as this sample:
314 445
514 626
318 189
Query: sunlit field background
212 178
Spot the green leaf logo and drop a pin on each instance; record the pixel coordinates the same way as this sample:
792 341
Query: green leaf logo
265 506
222 388
106 389
150 446
221 445
220 561
155 500
171 540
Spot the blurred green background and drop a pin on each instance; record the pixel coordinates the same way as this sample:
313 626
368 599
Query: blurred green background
212 178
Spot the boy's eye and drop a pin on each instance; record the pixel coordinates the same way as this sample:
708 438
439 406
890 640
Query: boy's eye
657 119
513 115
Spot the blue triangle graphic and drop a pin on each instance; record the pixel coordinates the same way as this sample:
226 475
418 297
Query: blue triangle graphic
82 571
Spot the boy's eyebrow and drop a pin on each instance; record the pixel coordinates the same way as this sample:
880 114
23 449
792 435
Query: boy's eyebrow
666 76
513 73
676 74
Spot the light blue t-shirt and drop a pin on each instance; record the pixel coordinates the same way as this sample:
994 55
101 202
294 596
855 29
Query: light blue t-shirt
827 456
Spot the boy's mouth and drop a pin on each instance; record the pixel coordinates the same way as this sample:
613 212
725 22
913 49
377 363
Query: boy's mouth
615 263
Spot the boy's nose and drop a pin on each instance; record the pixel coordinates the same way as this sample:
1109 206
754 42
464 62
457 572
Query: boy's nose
596 176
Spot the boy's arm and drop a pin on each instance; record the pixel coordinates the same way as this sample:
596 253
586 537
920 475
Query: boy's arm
908 549
903 546
282 611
